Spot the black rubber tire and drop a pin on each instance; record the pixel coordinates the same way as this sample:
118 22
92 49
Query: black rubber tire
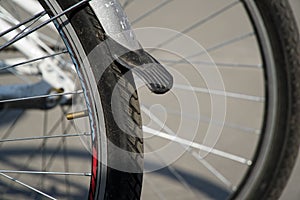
274 161
120 185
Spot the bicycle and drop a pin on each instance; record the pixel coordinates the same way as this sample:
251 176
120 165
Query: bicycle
81 58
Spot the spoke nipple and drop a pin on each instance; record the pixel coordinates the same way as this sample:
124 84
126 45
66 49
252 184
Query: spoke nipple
87 134
257 132
88 174
76 115
249 162
234 188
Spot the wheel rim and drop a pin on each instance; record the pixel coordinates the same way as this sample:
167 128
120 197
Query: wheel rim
64 175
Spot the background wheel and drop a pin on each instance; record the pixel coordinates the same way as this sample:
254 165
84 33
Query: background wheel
48 168
255 47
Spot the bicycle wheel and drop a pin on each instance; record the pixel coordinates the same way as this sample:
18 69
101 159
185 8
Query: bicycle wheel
46 155
255 47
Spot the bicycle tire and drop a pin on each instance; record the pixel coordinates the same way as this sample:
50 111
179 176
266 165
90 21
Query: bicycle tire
277 154
119 184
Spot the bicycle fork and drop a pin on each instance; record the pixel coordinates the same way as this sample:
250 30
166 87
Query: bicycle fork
125 48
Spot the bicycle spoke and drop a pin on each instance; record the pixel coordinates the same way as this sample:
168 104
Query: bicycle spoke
14 164
50 161
218 64
170 135
127 3
43 152
53 43
56 124
27 186
197 146
207 119
47 166
216 47
52 157
12 126
43 137
146 14
41 96
65 153
43 24
58 148
223 44
40 148
46 173
220 93
33 60
214 171
37 16
27 28
191 151
57 153
199 23
22 78
172 170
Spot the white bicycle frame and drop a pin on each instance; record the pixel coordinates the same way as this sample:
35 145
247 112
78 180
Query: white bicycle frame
110 14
